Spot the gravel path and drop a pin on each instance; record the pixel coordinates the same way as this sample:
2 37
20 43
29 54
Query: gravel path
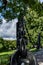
39 56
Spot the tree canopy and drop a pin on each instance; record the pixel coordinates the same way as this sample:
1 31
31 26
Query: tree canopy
33 15
10 9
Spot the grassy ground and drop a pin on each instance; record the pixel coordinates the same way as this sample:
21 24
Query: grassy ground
9 52
5 56
33 50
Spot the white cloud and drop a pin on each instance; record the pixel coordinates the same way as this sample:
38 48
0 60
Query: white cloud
3 20
41 1
8 30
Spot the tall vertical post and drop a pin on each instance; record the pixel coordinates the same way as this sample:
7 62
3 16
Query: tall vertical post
20 31
39 39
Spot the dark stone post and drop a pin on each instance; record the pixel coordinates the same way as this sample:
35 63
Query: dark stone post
38 42
20 32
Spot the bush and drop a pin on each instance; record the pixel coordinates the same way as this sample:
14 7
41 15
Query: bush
7 44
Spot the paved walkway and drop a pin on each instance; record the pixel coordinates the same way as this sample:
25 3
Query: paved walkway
39 56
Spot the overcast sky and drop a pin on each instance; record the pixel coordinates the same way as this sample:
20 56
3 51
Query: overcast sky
8 30
41 1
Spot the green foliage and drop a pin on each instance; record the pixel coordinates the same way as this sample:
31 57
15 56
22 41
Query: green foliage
2 42
14 7
7 44
33 11
5 57
34 25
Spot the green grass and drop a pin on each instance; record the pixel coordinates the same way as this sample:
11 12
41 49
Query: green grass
9 52
33 50
5 57
0 45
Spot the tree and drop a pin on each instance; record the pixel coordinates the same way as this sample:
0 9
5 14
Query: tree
34 14
2 42
11 9
34 25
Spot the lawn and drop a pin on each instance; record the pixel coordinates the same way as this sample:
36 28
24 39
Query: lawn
5 56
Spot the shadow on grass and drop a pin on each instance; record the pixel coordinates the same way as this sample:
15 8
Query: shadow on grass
5 50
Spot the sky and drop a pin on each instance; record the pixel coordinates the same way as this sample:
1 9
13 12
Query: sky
8 30
41 1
